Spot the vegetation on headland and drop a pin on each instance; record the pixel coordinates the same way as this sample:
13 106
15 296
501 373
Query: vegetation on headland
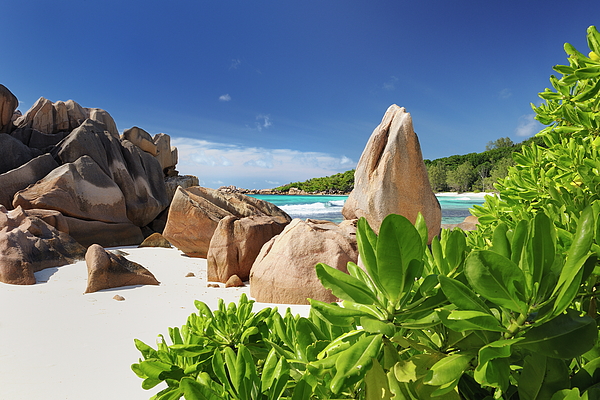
473 172
335 184
508 311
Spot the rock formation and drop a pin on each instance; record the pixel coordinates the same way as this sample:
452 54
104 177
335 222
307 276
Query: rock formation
13 153
61 156
391 177
235 244
284 271
21 177
79 189
28 244
155 240
8 105
108 270
195 213
52 118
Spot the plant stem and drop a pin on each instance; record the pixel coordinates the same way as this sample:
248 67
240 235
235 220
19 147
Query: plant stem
515 326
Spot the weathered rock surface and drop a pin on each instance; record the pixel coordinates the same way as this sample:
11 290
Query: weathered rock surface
107 270
19 178
173 182
141 139
36 139
195 213
166 155
137 173
79 189
135 168
391 177
103 233
28 244
236 243
155 240
51 118
234 281
13 153
51 217
284 271
8 105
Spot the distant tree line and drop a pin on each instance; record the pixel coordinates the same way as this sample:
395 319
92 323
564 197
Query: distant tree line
338 183
473 172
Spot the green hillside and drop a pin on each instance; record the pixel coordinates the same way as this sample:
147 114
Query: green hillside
471 172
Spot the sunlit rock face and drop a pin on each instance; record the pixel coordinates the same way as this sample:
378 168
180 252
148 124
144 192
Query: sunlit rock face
391 177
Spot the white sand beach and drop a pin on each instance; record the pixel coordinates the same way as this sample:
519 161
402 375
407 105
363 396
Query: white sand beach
58 343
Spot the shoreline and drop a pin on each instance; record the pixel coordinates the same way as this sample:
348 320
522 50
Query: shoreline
81 345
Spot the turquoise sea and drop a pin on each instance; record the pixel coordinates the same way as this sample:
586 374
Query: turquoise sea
454 207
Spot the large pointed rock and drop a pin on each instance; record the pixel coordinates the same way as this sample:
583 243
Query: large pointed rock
284 271
196 211
19 178
79 189
236 243
107 270
28 244
391 177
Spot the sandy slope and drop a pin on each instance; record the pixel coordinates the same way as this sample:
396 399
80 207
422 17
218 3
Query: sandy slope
58 343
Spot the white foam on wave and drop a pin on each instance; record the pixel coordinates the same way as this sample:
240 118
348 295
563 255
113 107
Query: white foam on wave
318 208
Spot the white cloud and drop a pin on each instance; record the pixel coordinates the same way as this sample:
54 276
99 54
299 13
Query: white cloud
263 121
391 83
527 126
235 63
218 164
505 93
225 97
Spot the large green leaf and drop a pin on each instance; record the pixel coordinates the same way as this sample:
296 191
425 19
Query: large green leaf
541 377
448 369
455 246
542 246
566 336
493 368
461 295
344 286
497 278
334 314
464 320
376 383
399 247
366 240
577 255
500 243
354 362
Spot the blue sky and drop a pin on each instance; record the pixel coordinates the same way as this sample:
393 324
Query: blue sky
261 93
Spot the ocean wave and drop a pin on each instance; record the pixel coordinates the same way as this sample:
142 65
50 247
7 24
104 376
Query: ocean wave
329 207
